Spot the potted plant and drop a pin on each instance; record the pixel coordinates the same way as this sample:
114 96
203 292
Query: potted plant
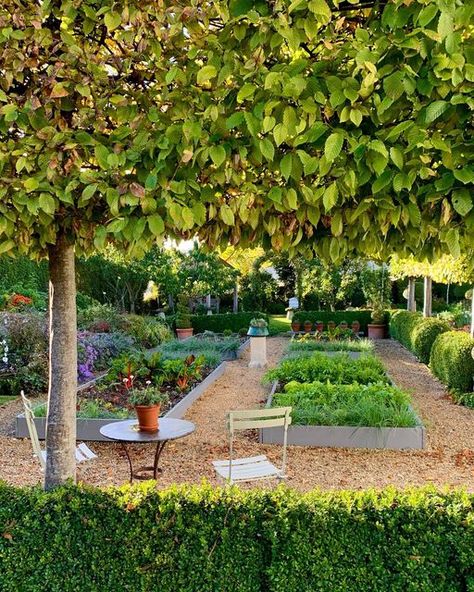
343 325
147 403
376 329
355 328
184 327
319 326
296 326
258 328
308 325
331 325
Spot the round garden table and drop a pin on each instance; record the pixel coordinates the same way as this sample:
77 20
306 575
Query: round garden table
127 432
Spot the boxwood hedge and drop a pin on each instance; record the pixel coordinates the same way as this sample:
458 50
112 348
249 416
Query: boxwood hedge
203 539
416 333
451 361
220 322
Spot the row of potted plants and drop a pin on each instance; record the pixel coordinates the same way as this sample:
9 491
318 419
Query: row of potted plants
376 329
318 326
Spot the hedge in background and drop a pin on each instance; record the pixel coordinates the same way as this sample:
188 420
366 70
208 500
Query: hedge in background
416 333
363 316
203 539
451 361
220 322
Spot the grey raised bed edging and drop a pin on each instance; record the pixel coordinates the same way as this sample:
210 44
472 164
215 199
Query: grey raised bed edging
345 436
89 429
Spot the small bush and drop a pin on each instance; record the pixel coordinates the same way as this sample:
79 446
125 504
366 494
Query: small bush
424 335
451 361
147 331
402 324
103 313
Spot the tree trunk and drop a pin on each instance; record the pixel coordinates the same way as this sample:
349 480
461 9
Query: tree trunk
472 313
411 302
171 302
61 422
447 293
427 297
235 303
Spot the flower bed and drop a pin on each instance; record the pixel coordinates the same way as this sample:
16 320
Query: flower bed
342 402
314 343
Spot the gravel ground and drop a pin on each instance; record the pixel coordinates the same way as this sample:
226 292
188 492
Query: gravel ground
448 458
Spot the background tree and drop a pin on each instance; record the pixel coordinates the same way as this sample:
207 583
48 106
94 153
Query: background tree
290 124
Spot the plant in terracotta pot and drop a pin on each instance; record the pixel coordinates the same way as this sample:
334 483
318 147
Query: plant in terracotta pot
331 325
343 325
184 327
258 328
355 327
296 326
147 402
308 325
319 326
376 329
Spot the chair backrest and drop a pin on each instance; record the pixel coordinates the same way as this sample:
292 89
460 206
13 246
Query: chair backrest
259 418
29 416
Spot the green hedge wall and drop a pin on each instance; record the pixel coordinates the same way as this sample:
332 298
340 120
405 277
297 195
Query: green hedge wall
416 333
363 316
203 539
451 361
219 322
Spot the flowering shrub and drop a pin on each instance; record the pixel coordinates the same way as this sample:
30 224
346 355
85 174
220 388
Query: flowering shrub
18 301
96 350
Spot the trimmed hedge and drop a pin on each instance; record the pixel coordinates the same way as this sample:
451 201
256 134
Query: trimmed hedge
203 539
363 316
416 333
451 361
220 322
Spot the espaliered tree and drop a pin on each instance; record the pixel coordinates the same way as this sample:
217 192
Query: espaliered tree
309 127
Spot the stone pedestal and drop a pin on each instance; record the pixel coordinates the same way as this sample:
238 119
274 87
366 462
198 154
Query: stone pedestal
258 352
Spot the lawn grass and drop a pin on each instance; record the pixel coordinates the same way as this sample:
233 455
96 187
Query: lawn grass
4 399
278 324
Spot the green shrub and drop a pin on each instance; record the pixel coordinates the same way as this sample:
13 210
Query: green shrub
339 369
99 314
146 331
363 316
424 335
402 324
305 343
451 361
219 322
327 404
203 539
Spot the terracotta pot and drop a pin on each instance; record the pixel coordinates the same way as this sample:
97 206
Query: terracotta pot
376 331
296 326
343 325
355 327
184 333
308 326
331 325
148 417
320 327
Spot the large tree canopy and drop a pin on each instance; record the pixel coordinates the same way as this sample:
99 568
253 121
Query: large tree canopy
312 128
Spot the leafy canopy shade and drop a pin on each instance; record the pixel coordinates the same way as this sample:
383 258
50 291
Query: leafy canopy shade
309 128
445 270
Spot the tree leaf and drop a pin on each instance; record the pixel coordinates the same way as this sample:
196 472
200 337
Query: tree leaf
218 155
333 146
445 25
267 149
397 157
435 110
462 201
245 92
286 165
156 224
227 215
205 74
330 196
427 14
112 20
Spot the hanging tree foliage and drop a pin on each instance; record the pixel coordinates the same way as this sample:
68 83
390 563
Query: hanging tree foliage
295 124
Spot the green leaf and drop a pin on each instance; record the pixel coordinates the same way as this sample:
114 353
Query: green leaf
151 182
462 201
452 240
393 85
156 224
427 14
382 181
112 20
336 224
286 165
414 214
234 120
275 194
464 175
188 217
7 245
88 192
333 146
378 146
397 157
245 92
320 8
435 110
205 74
280 133
47 203
267 149
330 196
101 154
227 215
445 24
31 184
218 155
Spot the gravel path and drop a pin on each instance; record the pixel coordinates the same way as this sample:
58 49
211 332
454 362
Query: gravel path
447 460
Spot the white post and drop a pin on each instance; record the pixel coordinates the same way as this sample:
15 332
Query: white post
472 313
427 297
235 303
258 352
411 301
208 304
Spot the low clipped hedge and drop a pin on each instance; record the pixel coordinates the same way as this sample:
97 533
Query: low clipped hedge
220 322
203 539
451 361
416 333
363 316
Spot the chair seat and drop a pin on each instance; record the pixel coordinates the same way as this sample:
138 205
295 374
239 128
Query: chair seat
82 453
247 469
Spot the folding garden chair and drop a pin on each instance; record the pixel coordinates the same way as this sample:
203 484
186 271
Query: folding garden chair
255 467
83 452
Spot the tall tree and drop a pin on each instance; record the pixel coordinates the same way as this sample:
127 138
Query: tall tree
290 123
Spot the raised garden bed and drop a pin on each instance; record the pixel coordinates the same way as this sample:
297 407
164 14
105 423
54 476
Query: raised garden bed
412 438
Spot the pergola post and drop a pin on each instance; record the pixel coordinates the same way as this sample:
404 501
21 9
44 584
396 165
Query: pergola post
427 297
235 303
472 313
208 304
411 302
